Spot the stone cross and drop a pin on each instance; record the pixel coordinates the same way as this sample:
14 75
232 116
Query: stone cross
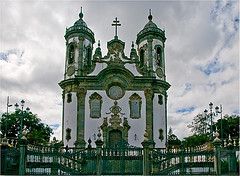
116 24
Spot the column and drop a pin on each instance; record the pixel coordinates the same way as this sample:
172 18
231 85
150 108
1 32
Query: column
81 94
149 112
63 129
80 56
150 58
165 107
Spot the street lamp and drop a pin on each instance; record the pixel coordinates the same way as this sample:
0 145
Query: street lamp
211 115
8 105
217 112
21 117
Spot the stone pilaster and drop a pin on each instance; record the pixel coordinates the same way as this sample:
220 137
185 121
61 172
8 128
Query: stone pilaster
81 95
80 56
165 116
63 121
150 56
149 112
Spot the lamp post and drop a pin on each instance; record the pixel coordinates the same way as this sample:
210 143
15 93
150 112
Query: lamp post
217 112
21 117
210 115
8 105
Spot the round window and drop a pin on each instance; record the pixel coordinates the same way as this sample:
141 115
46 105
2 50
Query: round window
115 92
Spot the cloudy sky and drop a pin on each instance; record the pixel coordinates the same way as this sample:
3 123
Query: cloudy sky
202 52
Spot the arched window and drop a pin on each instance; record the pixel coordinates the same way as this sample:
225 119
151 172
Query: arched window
135 102
95 102
71 54
69 97
88 56
142 52
159 57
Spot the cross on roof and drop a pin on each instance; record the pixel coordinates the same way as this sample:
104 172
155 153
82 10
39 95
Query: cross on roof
116 24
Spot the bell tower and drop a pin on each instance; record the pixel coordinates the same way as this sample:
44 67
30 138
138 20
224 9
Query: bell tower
150 41
79 46
78 63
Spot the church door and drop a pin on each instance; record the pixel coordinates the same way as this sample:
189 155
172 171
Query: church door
115 137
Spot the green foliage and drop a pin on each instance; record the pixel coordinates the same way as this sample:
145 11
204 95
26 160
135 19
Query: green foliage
199 125
195 140
229 124
37 131
173 140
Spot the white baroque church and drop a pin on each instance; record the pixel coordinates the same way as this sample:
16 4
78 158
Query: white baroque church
119 95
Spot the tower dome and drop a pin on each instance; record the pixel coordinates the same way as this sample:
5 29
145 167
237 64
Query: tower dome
80 27
150 29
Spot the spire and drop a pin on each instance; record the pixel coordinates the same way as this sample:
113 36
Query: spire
81 14
150 15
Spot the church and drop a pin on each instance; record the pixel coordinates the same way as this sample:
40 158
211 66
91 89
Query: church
121 95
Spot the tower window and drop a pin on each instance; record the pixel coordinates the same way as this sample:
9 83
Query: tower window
88 56
159 57
142 52
69 97
71 54
160 99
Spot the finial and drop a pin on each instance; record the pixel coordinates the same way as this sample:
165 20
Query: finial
150 15
132 44
98 43
99 134
81 14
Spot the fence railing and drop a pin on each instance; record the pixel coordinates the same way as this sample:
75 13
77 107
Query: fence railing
56 160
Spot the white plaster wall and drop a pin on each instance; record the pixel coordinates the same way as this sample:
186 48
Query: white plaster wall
132 68
99 67
137 125
158 121
70 119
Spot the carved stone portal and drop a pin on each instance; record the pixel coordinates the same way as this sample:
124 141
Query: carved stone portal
115 130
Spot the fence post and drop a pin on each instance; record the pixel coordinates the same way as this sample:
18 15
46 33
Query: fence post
217 157
147 144
22 149
4 152
54 168
99 144
232 160
182 160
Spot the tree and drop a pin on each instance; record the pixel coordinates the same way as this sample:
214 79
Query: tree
229 126
173 140
38 132
195 140
199 124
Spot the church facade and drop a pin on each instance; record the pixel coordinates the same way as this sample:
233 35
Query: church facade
120 96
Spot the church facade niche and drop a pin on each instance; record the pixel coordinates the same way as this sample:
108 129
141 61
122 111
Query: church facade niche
95 103
69 97
135 103
71 54
128 86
